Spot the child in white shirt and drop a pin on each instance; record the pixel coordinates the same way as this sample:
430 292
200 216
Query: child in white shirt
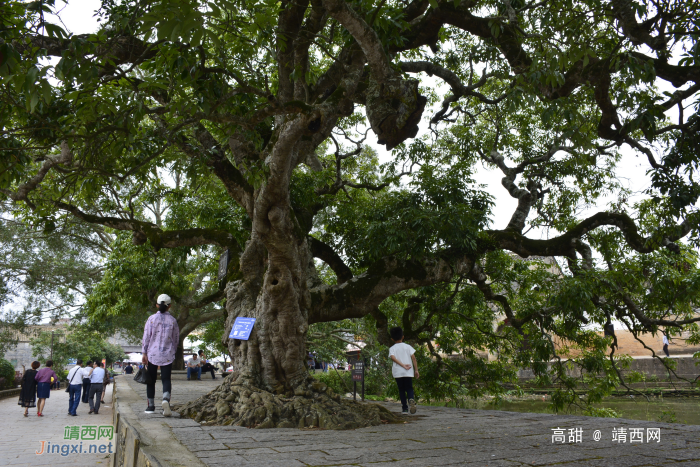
403 369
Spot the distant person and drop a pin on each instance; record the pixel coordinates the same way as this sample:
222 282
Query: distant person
403 369
27 396
75 385
194 367
128 369
97 378
87 371
665 338
44 379
206 366
160 338
107 382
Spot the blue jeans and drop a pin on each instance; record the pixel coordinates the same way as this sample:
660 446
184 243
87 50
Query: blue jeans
197 370
74 398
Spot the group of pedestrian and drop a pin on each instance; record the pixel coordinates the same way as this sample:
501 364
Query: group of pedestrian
90 379
160 341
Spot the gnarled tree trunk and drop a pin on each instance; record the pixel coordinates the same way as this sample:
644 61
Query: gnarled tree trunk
270 385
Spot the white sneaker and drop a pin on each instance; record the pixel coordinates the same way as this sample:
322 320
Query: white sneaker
166 408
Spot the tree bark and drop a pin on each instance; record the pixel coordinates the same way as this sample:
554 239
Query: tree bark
179 363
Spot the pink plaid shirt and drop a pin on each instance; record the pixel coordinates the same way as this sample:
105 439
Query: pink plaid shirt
160 338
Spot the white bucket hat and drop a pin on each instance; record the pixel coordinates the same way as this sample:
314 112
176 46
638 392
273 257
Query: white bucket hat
163 298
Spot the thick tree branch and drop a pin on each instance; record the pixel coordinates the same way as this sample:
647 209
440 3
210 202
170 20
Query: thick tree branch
50 162
360 295
326 254
365 36
567 243
459 90
146 231
637 33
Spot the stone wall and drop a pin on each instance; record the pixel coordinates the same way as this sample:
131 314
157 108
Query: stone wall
20 355
686 368
10 393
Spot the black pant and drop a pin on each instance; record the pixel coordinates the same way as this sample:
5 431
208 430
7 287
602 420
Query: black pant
210 368
86 389
405 385
165 372
666 350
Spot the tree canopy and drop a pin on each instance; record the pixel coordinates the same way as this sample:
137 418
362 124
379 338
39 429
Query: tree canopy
73 344
251 119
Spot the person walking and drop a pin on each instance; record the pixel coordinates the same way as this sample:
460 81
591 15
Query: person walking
75 385
206 366
404 369
161 336
128 369
96 384
107 380
665 338
86 372
44 379
27 396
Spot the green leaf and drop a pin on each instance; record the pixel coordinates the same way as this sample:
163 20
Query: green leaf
33 101
48 95
54 30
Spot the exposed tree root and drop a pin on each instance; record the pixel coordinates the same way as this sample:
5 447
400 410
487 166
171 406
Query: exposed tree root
312 404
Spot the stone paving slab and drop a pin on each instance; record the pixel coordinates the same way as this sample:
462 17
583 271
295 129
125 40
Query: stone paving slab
436 436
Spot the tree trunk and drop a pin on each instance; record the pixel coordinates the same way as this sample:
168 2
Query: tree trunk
269 386
278 298
179 363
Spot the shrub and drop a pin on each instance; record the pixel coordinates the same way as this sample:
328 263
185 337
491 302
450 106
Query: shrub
339 382
7 373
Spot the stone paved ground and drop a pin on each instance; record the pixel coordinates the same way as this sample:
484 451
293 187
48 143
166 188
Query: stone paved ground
20 437
435 437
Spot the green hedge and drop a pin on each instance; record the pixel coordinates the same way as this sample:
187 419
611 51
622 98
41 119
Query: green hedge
7 371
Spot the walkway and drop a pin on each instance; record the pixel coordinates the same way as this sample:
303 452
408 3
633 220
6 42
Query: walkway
438 437
21 437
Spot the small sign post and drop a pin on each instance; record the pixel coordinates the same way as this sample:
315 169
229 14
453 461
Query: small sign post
242 328
358 374
223 264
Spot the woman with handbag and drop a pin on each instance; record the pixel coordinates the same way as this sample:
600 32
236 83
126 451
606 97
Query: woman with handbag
161 336
27 397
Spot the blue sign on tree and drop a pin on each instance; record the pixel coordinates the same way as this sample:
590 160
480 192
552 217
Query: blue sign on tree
242 328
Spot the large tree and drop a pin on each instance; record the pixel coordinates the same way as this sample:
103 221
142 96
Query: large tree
270 98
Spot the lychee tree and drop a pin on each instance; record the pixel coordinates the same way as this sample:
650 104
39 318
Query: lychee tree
271 99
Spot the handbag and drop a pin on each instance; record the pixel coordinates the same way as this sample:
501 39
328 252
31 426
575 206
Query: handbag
71 381
142 376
